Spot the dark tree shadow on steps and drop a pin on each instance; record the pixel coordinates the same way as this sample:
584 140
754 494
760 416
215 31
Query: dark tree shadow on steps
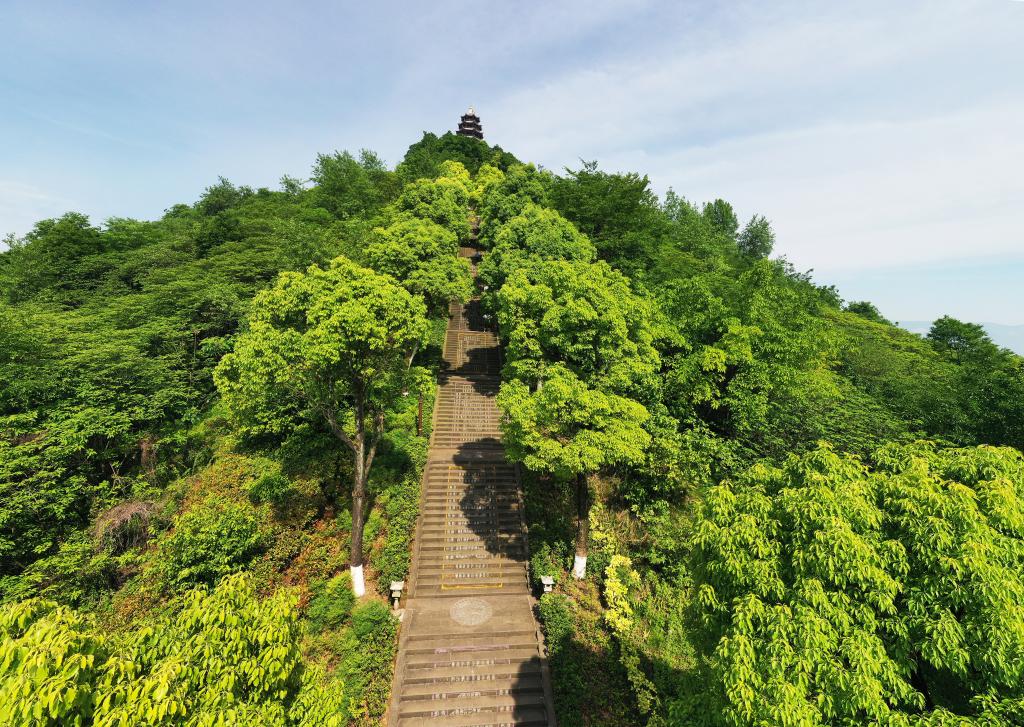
490 501
530 705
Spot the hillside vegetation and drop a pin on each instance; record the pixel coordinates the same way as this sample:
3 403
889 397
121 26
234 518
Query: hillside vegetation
761 505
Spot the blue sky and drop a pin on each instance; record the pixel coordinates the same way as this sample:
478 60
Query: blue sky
884 140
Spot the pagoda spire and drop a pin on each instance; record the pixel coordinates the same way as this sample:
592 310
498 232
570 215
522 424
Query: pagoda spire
470 125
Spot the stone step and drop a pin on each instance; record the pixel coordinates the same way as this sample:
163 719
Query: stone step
473 469
434 563
490 565
498 705
495 524
477 675
432 540
483 653
480 510
466 690
481 534
470 638
521 717
434 590
504 492
495 577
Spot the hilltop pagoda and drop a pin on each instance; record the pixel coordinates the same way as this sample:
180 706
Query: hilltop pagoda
470 125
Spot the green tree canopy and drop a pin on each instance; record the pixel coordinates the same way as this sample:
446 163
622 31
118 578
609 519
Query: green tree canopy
332 346
829 593
444 201
536 235
571 430
757 238
424 257
583 315
506 197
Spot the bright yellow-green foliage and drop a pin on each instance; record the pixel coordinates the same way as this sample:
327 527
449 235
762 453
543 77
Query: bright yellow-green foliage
532 238
568 428
620 579
318 340
51 659
221 657
444 200
423 257
835 593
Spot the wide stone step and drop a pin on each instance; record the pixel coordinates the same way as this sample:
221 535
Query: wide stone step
469 513
499 705
482 675
435 590
470 638
521 717
480 511
495 577
494 688
492 565
482 653
458 490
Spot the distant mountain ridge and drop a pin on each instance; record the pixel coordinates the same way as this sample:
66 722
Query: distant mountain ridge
1011 337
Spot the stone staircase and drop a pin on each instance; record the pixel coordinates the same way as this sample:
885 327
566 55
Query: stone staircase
470 651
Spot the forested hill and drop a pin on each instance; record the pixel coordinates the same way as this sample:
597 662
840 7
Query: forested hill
794 512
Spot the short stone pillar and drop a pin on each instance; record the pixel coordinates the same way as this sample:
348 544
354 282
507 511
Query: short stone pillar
396 593
548 582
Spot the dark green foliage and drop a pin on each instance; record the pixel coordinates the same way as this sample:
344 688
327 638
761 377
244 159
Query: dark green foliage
374 628
349 187
424 158
721 216
208 542
273 488
618 212
866 309
963 341
757 238
331 603
589 684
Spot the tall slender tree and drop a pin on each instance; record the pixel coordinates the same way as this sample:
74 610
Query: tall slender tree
332 346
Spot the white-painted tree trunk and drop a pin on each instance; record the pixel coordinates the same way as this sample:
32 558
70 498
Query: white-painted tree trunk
579 567
358 584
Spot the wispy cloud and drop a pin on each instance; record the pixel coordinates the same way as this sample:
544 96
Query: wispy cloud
862 136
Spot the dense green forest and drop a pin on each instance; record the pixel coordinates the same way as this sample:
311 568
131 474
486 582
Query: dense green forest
785 510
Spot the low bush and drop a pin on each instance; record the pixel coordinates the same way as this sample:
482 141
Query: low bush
330 606
214 539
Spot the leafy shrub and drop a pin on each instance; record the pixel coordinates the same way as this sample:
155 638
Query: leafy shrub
546 561
50 660
375 630
216 538
557 620
75 575
331 604
272 488
620 579
589 683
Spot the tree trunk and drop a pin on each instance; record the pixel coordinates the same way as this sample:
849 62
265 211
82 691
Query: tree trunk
579 564
358 504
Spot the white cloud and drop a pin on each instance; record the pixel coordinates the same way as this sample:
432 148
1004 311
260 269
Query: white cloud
870 135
